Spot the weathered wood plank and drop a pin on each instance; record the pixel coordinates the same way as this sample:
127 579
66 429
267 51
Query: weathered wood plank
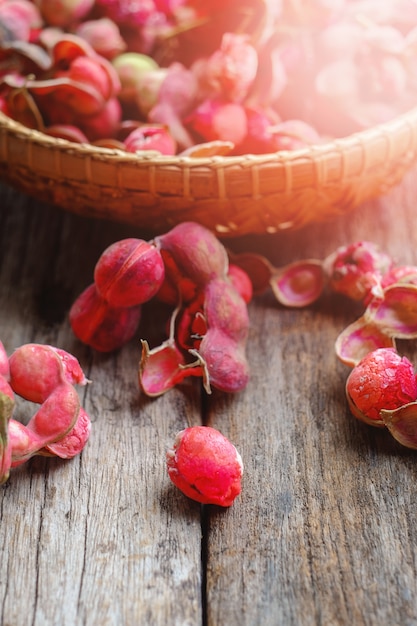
104 538
325 530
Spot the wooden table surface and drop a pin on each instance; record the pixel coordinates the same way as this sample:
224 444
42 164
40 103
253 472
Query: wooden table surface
325 529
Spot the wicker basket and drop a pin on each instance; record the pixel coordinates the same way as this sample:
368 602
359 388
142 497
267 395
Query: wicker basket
231 195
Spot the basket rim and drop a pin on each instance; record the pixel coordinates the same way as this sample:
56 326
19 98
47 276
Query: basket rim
320 150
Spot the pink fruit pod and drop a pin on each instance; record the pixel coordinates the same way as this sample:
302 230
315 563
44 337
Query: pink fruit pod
103 35
129 272
205 466
402 424
35 371
298 284
381 380
163 367
356 270
74 441
232 68
197 252
225 360
214 120
56 416
225 310
101 326
151 137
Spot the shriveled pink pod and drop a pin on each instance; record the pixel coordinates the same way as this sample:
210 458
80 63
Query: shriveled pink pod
226 310
93 71
359 339
163 367
19 18
395 313
129 272
298 284
151 137
225 360
232 68
101 326
35 371
74 441
79 97
52 421
402 424
205 466
103 35
381 380
214 120
356 270
197 252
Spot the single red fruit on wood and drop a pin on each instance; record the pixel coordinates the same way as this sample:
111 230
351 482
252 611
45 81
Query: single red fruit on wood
205 466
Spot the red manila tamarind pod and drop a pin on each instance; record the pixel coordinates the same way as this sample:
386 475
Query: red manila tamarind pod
225 309
197 252
35 371
74 441
54 419
205 466
101 326
225 360
129 272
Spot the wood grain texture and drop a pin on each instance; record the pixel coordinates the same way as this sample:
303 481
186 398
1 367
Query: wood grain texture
324 531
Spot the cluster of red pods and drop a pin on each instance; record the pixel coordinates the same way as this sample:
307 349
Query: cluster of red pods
199 78
60 427
205 290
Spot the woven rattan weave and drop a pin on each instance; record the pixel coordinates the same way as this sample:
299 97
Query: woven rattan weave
231 195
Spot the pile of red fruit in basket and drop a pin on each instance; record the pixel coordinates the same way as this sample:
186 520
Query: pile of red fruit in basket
206 78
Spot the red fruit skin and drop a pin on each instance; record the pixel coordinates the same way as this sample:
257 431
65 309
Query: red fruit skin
226 362
205 466
196 251
225 309
129 272
149 137
74 441
100 326
35 371
381 380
